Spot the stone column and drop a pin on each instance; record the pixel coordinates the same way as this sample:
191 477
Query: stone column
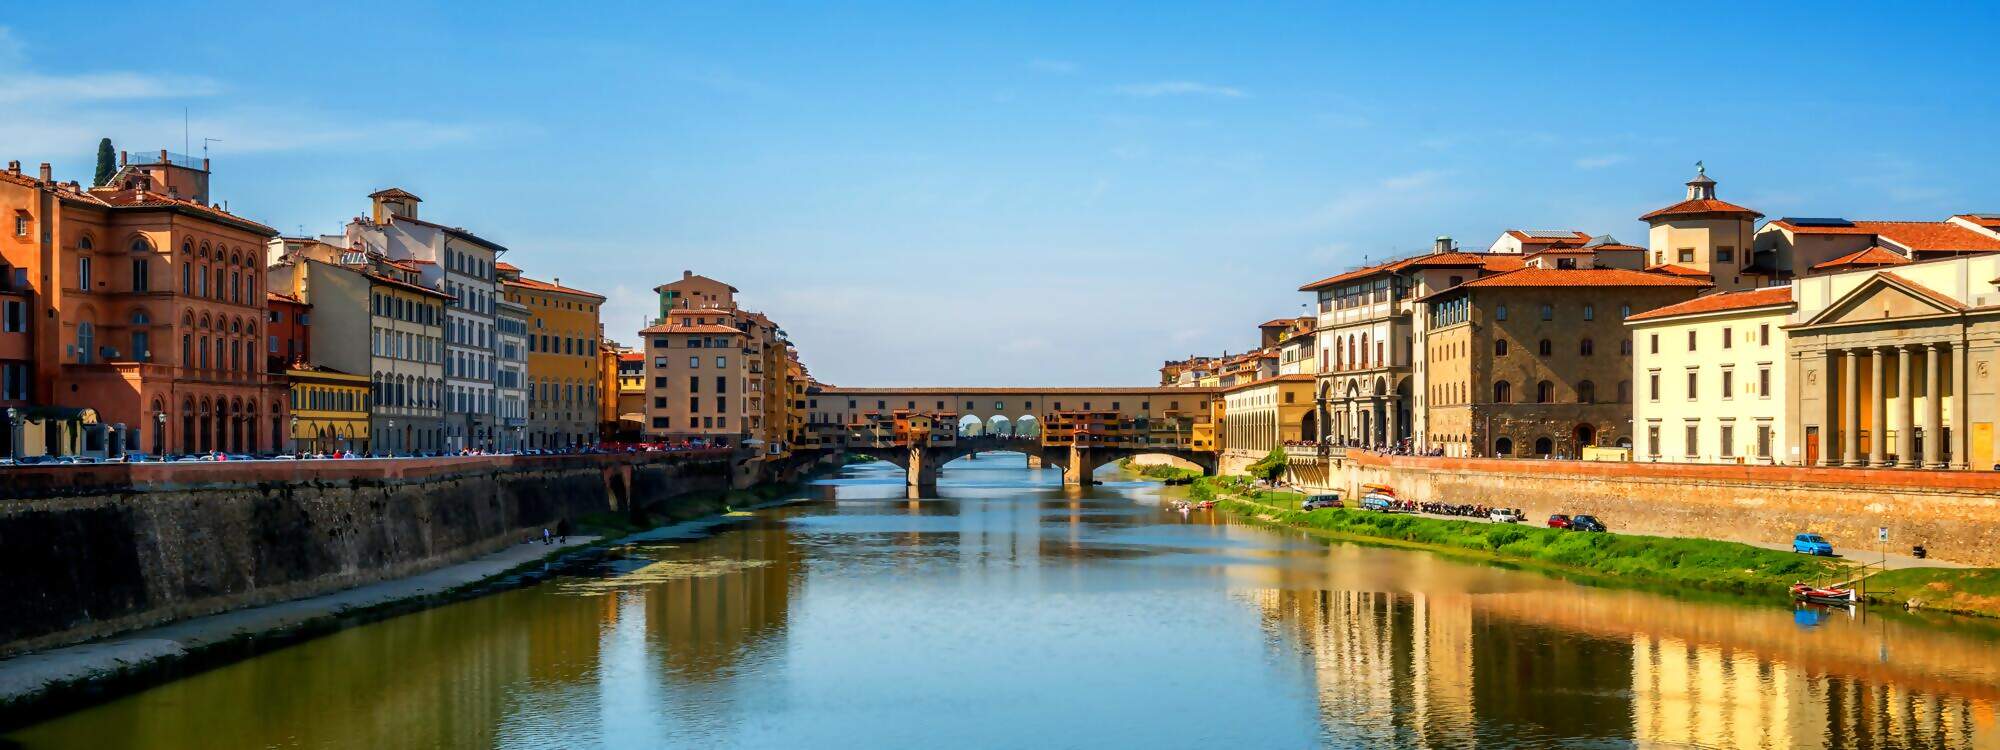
1906 410
1961 416
1850 411
1830 435
1389 423
1933 408
1878 411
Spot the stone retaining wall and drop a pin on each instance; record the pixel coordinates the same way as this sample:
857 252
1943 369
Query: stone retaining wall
1956 514
89 551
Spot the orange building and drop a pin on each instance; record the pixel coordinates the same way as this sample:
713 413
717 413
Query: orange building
150 314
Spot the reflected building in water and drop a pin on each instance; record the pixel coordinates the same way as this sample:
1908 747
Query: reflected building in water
1393 669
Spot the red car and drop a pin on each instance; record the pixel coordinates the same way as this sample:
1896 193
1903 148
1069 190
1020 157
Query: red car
1559 521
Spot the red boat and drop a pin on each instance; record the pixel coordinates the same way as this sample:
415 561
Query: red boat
1806 593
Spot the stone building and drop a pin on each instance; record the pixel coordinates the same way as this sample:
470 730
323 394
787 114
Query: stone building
510 372
1537 362
1371 370
145 320
697 375
1712 383
1893 368
1262 415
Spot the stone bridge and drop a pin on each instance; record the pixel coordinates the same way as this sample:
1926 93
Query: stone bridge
922 463
1166 420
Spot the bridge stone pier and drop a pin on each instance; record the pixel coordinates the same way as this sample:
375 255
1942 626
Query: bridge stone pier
1123 422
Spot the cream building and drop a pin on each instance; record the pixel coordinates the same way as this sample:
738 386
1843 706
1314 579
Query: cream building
1895 367
1706 236
1711 376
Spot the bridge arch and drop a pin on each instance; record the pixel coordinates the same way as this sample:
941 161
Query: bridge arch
971 425
1000 425
1027 425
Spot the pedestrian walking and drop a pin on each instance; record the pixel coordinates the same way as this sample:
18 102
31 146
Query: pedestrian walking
562 530
546 537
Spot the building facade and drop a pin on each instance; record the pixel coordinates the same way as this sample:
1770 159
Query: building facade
510 373
1263 415
463 266
563 360
146 325
697 376
359 296
1712 379
1537 362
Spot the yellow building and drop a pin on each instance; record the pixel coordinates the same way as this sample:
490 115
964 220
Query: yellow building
329 410
1263 415
564 365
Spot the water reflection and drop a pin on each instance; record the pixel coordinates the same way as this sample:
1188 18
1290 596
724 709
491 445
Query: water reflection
1009 611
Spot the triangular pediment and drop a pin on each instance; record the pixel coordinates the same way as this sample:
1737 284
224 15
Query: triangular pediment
1886 296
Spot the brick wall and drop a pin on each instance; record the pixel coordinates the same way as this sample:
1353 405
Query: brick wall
1955 514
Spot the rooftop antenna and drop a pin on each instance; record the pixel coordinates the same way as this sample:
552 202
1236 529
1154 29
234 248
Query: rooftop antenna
186 142
204 146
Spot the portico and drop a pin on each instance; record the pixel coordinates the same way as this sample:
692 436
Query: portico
1883 368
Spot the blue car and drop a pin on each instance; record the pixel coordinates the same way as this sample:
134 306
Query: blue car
1812 544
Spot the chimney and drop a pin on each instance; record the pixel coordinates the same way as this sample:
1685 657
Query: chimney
1441 245
48 175
122 158
687 275
14 167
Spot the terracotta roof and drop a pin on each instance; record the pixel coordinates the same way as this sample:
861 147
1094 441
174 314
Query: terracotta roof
1362 272
1935 295
543 286
1915 235
1275 323
631 357
1528 239
278 297
1163 390
147 199
708 328
505 266
1722 302
1990 221
1872 256
1575 277
1674 269
395 192
400 284
1699 206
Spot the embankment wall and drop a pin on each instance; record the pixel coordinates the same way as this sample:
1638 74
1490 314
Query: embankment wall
1955 514
90 551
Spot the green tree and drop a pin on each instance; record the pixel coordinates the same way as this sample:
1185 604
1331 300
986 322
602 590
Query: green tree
1270 466
107 162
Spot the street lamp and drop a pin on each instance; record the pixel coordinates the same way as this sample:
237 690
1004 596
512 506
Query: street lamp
159 432
294 434
14 430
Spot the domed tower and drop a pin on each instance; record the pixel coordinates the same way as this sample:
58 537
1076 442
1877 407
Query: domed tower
1703 233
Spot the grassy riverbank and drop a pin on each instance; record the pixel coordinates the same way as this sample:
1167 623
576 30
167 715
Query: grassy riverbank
1158 471
1648 560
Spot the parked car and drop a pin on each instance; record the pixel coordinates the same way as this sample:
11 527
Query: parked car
1378 502
1317 502
1812 544
1586 523
1504 515
1559 521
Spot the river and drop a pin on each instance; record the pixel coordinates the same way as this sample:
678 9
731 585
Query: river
1009 612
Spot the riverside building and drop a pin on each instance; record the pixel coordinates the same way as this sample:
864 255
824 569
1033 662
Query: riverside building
462 265
563 362
1712 379
140 306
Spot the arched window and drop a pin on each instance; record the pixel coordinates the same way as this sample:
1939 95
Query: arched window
1545 392
84 243
1587 347
1624 391
1586 392
1544 446
1503 392
1503 447
1499 347
1547 348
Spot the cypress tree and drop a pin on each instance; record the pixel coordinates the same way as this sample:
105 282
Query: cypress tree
107 162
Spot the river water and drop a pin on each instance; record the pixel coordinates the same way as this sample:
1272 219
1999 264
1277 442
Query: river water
1009 612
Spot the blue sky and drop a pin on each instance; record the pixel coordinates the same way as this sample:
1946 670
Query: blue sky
949 193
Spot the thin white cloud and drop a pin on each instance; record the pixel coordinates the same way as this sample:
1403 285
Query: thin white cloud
1180 88
1057 67
1600 162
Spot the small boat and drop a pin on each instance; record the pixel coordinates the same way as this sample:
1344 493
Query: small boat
1834 595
